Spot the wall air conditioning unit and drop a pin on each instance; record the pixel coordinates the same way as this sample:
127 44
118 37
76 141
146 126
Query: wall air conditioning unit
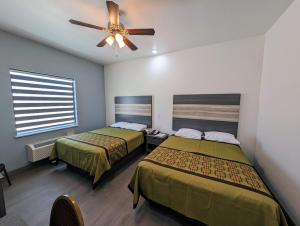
40 150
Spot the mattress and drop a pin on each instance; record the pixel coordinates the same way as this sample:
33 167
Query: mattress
96 151
207 181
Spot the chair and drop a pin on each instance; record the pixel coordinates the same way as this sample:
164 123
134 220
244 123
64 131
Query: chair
2 169
66 212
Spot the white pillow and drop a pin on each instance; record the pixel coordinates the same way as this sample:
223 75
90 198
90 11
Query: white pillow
189 133
221 137
119 125
136 126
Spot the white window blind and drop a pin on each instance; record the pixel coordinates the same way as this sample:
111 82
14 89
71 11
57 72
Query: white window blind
42 103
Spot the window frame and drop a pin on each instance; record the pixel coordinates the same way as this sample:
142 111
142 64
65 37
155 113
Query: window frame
51 128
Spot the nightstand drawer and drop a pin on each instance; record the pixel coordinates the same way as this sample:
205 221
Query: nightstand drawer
154 140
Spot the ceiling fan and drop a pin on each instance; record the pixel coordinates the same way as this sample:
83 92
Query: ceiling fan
116 29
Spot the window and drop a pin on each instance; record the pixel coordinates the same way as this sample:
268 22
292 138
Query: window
42 103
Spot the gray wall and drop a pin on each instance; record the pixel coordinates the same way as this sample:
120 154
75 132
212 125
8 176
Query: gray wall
23 54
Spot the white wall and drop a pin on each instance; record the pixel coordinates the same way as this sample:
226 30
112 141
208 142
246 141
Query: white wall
231 67
278 130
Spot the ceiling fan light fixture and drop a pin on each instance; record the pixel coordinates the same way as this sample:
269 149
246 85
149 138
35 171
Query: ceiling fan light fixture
120 40
121 44
110 40
118 37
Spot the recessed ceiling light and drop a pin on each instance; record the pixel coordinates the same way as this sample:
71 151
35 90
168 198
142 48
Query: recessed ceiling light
154 51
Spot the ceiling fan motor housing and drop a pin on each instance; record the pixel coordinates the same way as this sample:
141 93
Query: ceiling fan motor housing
115 28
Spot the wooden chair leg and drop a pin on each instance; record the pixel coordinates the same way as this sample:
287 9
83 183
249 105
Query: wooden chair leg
7 177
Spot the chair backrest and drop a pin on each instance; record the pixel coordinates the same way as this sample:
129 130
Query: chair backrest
66 212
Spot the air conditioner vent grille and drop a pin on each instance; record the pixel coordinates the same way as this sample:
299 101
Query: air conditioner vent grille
40 150
44 143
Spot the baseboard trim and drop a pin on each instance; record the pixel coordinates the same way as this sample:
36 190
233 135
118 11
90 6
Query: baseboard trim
30 166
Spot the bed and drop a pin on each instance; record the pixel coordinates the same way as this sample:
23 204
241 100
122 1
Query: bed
208 181
97 151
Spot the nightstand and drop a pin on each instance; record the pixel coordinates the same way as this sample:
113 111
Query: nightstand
155 140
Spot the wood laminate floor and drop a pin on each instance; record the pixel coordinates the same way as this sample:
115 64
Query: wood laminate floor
33 192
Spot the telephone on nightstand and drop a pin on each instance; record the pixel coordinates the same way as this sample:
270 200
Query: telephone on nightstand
152 131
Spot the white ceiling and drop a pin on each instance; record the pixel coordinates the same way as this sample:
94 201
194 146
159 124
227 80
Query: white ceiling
179 24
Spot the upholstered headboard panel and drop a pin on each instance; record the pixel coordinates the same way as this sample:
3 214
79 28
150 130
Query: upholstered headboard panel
136 109
207 112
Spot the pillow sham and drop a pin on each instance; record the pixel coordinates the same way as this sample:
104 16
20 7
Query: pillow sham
136 126
122 125
189 133
221 137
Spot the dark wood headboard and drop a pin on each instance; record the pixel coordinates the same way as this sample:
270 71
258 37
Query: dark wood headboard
137 109
207 112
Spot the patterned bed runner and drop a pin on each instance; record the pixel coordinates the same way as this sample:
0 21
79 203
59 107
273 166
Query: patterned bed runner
222 170
115 147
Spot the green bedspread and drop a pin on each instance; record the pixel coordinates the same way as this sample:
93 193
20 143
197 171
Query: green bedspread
96 151
207 181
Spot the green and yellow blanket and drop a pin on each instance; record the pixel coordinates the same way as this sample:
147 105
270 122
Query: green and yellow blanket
207 181
96 151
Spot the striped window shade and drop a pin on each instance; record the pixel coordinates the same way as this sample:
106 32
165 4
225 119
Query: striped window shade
42 103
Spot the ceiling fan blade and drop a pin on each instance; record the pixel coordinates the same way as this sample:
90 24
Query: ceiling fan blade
102 43
130 44
147 31
76 22
113 11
